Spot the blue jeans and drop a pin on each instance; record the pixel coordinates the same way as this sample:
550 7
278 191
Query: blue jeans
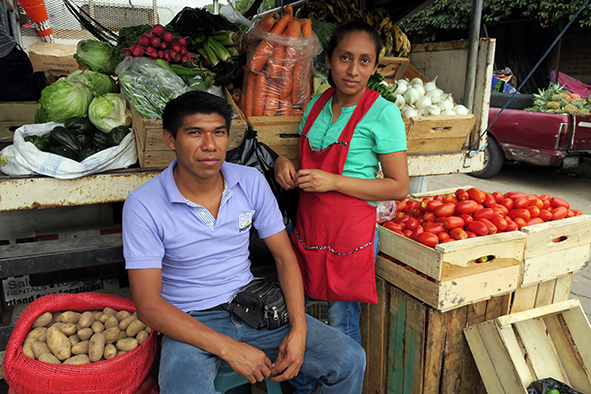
335 360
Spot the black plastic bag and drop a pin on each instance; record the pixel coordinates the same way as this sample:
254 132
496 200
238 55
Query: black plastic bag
544 385
253 153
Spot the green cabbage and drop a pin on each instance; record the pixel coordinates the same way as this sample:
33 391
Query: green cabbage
109 111
96 55
97 82
65 99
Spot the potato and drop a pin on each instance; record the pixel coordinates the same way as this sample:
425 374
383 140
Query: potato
58 343
142 336
112 334
134 327
97 326
122 315
70 317
28 350
85 333
123 324
74 339
120 353
127 344
86 319
103 318
122 335
97 314
43 320
110 351
39 348
96 347
37 334
81 347
79 359
110 311
112 322
68 328
148 329
49 358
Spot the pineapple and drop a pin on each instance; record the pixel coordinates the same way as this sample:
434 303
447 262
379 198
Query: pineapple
584 111
553 105
571 109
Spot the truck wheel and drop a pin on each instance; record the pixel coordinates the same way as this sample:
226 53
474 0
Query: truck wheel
493 160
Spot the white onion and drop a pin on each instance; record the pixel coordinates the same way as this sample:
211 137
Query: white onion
434 96
411 95
432 110
448 112
441 92
444 105
401 87
416 81
400 102
447 97
460 110
420 90
423 102
409 111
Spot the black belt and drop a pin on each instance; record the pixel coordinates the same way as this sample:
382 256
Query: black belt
221 307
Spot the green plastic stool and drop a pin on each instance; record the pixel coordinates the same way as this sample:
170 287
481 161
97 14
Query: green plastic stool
227 379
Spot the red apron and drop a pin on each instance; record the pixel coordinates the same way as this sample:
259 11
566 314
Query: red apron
334 234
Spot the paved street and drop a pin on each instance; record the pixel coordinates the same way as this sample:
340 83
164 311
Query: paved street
573 186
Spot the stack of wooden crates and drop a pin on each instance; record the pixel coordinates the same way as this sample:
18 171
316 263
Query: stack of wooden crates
427 297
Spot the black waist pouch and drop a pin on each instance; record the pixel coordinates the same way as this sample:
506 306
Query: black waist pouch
260 304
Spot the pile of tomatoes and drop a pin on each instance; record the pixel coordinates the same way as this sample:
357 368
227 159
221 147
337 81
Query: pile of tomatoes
471 213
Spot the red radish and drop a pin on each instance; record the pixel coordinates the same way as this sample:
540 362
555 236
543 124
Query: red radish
176 57
176 46
137 50
182 42
158 29
184 59
127 52
163 45
161 54
191 56
145 40
155 42
154 56
183 51
150 50
168 37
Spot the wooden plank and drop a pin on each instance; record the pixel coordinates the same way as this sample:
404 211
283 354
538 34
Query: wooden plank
555 264
574 231
545 294
563 285
580 330
435 335
414 346
559 307
396 342
472 382
18 111
423 164
443 133
524 298
483 360
570 358
517 354
453 354
539 348
375 339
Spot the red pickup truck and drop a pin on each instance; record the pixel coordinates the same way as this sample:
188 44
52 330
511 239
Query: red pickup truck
536 138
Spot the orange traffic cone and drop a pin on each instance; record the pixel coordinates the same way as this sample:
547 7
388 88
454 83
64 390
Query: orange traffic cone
36 10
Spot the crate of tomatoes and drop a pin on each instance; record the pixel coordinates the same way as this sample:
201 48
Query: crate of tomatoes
459 246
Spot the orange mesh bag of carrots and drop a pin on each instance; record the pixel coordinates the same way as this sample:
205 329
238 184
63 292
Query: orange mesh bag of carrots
277 75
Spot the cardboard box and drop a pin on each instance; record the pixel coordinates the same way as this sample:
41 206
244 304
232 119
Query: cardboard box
515 350
14 114
57 58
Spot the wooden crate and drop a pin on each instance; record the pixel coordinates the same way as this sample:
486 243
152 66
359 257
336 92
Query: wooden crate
413 348
279 132
457 279
556 248
14 114
393 68
442 133
153 152
541 294
515 350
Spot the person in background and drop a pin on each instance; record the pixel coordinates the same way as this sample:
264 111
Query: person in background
186 237
18 81
345 134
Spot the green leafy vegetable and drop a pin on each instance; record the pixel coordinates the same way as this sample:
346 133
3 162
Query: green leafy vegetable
97 82
109 111
63 100
96 55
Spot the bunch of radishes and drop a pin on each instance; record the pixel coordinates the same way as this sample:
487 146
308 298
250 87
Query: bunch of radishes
161 44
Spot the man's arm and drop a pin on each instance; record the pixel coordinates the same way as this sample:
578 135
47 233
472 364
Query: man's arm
167 319
291 351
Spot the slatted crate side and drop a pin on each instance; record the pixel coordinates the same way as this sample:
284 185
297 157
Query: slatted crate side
441 133
541 294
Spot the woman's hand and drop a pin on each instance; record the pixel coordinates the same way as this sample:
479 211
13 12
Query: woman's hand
285 173
316 180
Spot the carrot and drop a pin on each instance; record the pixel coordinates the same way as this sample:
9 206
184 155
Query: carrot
272 100
297 111
276 62
260 56
305 84
260 94
293 31
288 10
284 106
306 27
282 23
248 95
267 22
296 79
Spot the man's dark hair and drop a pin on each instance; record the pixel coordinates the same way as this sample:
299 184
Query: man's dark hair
193 103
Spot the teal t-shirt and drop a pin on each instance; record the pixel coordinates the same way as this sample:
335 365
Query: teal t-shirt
380 131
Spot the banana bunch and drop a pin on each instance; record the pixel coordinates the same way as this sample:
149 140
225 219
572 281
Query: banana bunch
394 40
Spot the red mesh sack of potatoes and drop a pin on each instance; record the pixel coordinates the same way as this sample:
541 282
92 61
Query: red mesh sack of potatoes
123 374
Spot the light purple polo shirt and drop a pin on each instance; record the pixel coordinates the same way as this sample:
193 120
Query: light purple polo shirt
204 261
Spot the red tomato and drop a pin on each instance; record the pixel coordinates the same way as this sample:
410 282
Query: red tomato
403 219
514 195
450 198
433 204
446 209
390 225
533 221
416 211
492 229
544 196
428 239
458 233
443 237
435 228
520 213
412 224
467 218
536 202
462 194
478 227
545 215
398 215
423 203
577 212
500 211
511 225
467 206
534 211
429 216
471 234
438 197
507 203
407 233
520 222
428 223
486 213
547 204
476 195
559 213
400 205
500 223
498 197
440 219
520 202
570 213
489 201
556 202
453 222
530 196
417 231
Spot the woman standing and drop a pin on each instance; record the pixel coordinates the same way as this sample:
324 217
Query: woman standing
346 133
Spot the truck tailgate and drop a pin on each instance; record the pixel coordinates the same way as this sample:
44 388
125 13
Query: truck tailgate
581 135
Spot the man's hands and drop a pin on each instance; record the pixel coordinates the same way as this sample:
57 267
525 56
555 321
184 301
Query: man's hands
308 180
290 357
